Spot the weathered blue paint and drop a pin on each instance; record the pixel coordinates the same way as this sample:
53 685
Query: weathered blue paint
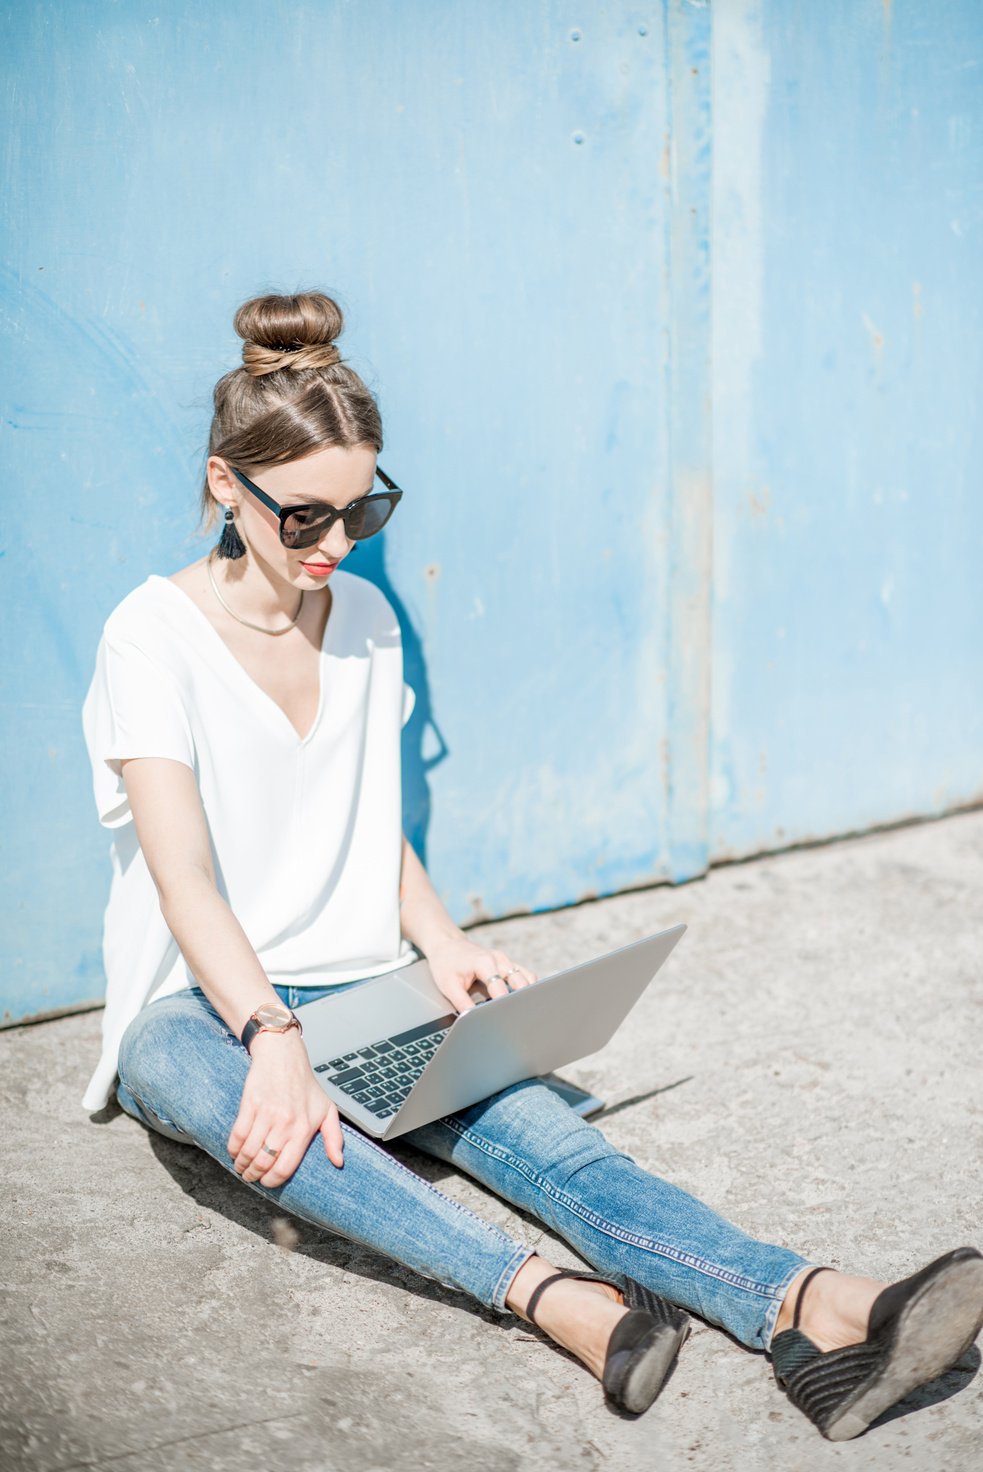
848 435
675 584
483 189
689 433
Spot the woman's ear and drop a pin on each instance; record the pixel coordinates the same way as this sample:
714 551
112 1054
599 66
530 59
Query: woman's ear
222 483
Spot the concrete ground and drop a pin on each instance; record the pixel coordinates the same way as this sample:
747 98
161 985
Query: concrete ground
808 1063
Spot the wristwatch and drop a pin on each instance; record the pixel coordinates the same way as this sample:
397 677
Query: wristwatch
271 1017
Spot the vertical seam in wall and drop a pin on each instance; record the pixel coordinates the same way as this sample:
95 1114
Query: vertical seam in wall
667 425
690 498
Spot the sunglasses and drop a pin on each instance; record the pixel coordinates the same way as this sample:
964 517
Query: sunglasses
302 526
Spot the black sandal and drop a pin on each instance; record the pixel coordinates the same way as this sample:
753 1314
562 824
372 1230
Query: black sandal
644 1342
918 1328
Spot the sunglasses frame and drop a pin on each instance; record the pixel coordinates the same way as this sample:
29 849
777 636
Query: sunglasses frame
392 494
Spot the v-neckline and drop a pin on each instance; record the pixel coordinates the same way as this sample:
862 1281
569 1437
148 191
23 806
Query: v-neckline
253 684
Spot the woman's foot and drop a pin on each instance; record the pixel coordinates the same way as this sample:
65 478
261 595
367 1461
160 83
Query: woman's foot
625 1334
579 1315
916 1330
835 1308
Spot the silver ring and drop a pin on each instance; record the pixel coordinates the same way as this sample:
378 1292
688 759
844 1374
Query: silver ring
510 973
496 977
269 1150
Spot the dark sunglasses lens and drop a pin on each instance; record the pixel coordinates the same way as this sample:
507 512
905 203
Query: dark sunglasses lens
369 516
308 525
304 528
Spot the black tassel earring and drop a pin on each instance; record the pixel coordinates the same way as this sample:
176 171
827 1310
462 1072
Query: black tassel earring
230 543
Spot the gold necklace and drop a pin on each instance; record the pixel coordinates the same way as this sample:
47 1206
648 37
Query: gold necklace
240 620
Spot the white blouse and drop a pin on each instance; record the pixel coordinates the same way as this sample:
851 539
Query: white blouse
306 832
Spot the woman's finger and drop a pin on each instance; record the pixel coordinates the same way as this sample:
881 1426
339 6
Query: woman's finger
521 976
492 974
494 982
456 992
507 969
334 1140
512 975
268 1156
246 1162
240 1130
286 1162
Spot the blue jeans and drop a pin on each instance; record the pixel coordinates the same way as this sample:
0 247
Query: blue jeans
182 1072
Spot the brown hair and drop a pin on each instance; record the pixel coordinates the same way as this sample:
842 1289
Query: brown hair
294 394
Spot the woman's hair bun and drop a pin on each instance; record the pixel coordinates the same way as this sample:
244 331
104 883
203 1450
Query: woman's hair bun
289 332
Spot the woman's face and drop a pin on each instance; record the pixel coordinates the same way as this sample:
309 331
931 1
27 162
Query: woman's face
332 476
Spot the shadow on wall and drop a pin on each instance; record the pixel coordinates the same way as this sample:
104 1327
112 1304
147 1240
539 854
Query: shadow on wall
421 732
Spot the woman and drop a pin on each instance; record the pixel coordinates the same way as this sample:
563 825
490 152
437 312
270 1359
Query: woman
243 726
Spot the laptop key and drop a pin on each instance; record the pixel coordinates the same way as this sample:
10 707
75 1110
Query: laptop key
424 1030
342 1080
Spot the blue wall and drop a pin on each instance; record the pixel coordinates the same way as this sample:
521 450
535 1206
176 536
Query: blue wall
848 436
675 321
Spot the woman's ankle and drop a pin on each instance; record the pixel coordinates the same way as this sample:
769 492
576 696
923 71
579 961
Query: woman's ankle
580 1316
834 1309
534 1270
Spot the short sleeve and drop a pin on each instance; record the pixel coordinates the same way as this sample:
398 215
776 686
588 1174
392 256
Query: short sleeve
409 701
133 708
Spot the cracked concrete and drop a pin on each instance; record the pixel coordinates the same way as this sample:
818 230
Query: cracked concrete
808 1063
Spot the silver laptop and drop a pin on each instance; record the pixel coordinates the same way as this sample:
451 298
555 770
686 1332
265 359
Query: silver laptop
393 1055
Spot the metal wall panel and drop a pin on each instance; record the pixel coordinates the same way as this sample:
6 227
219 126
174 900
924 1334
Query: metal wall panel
675 317
485 187
848 436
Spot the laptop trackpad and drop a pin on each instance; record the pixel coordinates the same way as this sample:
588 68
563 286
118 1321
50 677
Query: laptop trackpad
365 1014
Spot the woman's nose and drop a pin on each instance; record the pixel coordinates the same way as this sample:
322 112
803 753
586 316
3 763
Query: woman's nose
335 543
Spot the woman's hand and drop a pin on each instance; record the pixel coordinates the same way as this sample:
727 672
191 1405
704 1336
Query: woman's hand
456 963
282 1108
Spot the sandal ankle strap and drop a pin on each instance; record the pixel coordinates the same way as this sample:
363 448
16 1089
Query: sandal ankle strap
536 1294
583 1276
802 1289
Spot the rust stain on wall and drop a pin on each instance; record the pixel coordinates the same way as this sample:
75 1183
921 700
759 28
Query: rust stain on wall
760 506
875 334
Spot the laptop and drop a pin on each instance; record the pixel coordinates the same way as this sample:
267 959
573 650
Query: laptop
393 1055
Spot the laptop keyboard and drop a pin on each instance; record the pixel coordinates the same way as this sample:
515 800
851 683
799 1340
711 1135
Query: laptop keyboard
380 1075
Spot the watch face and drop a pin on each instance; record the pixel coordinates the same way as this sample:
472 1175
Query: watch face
272 1014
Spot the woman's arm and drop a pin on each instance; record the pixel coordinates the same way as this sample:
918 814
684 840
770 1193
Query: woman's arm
456 963
282 1104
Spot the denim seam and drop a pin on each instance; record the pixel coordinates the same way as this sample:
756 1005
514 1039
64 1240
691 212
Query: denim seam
520 1256
647 1244
774 1309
